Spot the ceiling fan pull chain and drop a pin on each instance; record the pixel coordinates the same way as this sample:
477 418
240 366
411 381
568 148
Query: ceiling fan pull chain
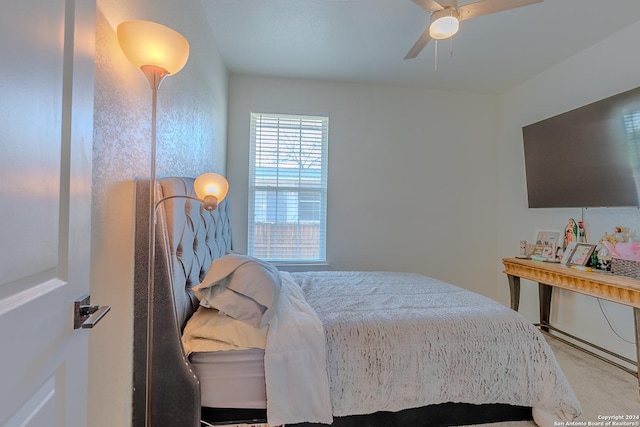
435 61
451 48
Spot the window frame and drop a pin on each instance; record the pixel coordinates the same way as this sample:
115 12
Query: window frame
309 127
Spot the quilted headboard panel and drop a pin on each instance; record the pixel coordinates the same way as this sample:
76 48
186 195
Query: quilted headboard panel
188 238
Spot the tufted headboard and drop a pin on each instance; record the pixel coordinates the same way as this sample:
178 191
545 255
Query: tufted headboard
188 238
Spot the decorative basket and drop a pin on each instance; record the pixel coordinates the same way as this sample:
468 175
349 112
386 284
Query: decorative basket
623 267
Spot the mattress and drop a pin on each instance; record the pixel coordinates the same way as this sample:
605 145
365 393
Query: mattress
427 342
231 379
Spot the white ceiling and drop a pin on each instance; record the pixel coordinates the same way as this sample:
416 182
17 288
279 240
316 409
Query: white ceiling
366 40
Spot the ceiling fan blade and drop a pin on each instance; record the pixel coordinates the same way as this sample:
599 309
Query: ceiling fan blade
429 5
487 7
419 45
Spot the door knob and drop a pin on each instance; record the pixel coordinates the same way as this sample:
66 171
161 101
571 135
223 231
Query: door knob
86 316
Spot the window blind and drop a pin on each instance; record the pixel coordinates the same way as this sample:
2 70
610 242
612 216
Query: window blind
288 188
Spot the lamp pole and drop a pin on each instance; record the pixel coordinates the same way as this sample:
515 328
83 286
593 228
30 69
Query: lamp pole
155 75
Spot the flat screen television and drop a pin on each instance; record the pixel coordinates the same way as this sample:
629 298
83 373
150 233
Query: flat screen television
587 157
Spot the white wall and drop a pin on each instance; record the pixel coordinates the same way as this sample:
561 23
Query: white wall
604 69
412 182
191 139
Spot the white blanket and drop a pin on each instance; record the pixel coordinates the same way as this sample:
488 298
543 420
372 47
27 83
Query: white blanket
295 361
398 341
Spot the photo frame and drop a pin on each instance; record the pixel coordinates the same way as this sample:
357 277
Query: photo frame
567 253
546 243
581 254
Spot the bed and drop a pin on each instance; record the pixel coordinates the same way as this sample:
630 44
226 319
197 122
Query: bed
389 358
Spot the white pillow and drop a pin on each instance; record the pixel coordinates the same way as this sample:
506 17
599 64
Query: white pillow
208 330
242 287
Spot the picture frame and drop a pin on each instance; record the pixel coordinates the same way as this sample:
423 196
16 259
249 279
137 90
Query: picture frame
546 243
581 254
567 253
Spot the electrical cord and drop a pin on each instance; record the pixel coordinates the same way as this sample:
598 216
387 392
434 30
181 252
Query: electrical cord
610 325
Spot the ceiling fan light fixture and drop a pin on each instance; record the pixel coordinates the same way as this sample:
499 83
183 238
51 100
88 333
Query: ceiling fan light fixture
444 23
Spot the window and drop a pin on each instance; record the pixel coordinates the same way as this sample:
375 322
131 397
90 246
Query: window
288 187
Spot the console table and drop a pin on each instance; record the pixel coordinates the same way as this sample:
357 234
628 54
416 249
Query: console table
623 290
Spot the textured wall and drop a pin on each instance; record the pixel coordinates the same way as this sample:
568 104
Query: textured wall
191 139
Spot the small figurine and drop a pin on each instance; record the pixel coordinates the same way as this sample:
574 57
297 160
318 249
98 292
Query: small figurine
619 233
570 233
582 235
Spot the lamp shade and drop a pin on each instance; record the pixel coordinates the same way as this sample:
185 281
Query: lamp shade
149 43
211 184
444 24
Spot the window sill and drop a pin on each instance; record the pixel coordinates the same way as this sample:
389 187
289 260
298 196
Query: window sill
294 267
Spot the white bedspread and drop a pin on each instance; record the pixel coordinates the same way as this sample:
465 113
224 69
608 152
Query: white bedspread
295 361
397 341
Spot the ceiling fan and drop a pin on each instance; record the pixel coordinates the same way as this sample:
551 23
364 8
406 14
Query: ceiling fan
446 17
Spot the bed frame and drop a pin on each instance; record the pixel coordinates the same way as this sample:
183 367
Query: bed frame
188 238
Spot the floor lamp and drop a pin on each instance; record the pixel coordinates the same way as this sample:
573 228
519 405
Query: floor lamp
158 51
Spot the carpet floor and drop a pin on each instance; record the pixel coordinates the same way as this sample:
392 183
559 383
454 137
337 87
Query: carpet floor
602 389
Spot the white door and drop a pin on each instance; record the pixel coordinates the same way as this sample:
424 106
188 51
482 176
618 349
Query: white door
46 131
